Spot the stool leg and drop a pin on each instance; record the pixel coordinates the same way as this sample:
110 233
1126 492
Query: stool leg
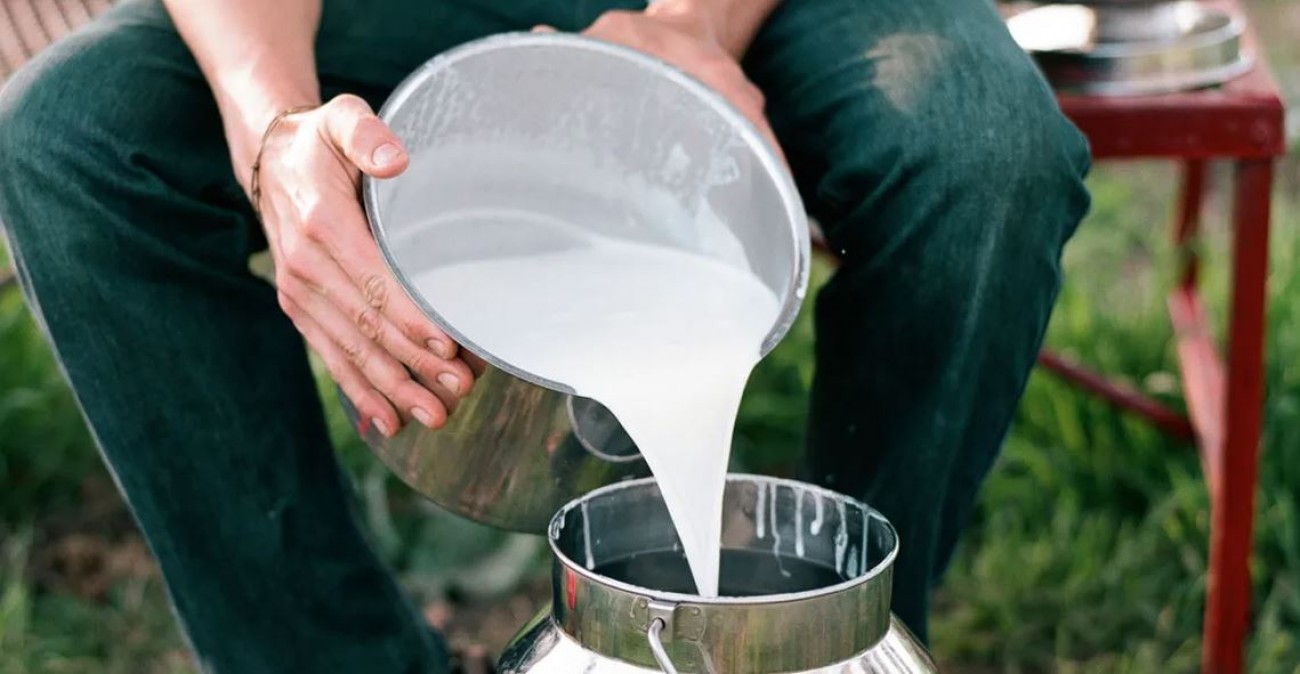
1233 468
1188 224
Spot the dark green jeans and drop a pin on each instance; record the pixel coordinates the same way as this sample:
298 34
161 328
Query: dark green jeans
922 138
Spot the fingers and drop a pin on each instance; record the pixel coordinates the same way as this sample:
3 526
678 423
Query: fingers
372 406
363 138
437 370
373 329
385 354
749 101
342 232
726 77
418 382
378 365
680 40
328 290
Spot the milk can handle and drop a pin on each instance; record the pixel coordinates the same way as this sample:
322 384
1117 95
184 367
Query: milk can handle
657 646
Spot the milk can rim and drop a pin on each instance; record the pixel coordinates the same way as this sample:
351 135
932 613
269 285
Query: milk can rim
880 568
765 154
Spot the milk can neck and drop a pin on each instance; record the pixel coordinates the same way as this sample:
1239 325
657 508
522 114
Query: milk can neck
807 616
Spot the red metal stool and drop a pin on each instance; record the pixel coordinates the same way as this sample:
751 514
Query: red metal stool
1241 122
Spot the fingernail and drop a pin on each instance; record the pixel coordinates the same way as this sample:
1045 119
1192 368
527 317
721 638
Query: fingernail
386 154
438 347
450 381
422 416
383 427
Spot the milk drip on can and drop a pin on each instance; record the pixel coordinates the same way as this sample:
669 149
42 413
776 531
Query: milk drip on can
825 611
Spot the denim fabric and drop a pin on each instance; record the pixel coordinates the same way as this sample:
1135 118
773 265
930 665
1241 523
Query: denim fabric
922 139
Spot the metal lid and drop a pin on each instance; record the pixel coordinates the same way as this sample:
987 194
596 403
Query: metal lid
1128 49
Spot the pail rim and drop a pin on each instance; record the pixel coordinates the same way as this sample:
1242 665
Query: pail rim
761 148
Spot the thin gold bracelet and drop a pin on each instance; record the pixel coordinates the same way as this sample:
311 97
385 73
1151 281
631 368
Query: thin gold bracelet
254 181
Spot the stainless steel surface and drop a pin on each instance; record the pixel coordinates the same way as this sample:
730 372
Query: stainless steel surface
602 625
1144 22
509 457
520 129
1118 20
1130 49
544 649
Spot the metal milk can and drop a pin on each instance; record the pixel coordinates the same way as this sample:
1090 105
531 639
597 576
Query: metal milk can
806 578
521 131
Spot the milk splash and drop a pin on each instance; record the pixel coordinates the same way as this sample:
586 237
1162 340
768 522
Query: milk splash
665 339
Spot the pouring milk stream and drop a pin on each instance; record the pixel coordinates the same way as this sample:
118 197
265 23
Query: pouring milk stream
664 338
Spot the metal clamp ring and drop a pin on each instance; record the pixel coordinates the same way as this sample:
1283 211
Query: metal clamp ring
657 647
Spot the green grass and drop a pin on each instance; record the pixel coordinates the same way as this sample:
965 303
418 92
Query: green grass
1087 553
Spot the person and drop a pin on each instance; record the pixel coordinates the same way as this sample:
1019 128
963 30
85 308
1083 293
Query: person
922 138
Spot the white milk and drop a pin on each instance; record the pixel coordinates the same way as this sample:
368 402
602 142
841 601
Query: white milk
664 339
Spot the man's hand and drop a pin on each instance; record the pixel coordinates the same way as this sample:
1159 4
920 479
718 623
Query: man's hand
690 36
389 359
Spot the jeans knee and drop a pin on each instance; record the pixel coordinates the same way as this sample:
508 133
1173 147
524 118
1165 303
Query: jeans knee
83 127
1027 157
34 157
1026 171
990 177
28 108
53 126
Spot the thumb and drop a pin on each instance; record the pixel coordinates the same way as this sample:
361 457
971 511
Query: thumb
363 138
543 28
